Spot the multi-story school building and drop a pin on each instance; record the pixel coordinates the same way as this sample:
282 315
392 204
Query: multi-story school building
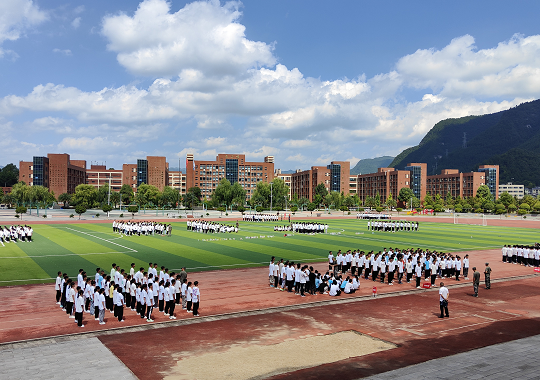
335 177
234 167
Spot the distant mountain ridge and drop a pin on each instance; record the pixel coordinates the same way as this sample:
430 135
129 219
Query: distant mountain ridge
510 139
370 165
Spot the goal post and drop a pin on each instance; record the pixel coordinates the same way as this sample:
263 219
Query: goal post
470 221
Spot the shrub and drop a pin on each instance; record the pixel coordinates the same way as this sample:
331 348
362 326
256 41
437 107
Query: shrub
399 209
17 216
45 216
97 215
294 209
378 209
121 215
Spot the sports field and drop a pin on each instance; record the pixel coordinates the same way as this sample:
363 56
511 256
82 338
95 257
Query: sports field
68 247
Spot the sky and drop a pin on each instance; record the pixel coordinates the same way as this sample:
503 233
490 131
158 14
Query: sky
307 82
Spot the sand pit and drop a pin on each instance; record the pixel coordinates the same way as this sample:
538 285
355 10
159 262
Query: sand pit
255 361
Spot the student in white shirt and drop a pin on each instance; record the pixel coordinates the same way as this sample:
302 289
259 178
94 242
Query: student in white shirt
183 290
189 292
334 289
119 305
172 303
79 307
195 298
149 303
349 288
466 267
443 300
58 287
101 305
142 297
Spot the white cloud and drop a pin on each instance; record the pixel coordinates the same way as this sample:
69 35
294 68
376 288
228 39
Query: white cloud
16 17
76 23
66 52
203 36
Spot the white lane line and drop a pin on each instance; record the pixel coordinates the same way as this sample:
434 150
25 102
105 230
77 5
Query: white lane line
131 249
67 254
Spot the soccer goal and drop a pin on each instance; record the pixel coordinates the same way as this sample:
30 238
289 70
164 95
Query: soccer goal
471 221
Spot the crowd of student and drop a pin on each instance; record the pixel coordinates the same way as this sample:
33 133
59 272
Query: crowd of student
260 218
144 228
137 291
526 255
204 226
384 266
392 226
369 215
14 234
309 228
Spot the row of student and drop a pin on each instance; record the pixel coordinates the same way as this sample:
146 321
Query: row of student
14 234
204 226
521 254
141 228
309 228
120 289
392 226
304 280
260 218
368 215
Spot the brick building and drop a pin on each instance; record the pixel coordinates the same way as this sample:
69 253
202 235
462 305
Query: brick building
56 171
335 177
234 167
384 182
463 184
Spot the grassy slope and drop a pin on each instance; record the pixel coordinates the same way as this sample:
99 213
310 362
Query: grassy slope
70 247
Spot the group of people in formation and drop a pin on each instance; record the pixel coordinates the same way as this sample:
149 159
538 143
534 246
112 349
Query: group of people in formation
14 234
392 226
386 266
391 264
369 215
309 228
139 291
304 280
205 226
144 228
526 255
260 218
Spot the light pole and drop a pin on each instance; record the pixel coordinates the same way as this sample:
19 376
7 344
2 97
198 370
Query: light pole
271 196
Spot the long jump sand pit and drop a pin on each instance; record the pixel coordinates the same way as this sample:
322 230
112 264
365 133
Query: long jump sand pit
254 361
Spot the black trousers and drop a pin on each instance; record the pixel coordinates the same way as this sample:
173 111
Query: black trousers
433 278
189 303
390 277
96 311
58 295
418 281
444 308
178 298
161 304
374 275
409 276
78 318
149 311
171 308
195 308
119 312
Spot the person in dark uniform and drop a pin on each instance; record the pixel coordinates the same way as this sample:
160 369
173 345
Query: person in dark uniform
476 281
487 276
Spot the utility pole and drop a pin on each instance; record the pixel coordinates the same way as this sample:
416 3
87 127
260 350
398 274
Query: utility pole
271 196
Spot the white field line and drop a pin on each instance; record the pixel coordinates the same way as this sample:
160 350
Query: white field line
131 249
67 254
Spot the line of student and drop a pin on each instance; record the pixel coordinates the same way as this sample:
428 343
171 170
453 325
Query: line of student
141 228
14 234
139 291
526 255
203 226
260 218
392 226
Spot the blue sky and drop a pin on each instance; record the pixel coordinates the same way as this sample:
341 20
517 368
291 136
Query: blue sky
305 81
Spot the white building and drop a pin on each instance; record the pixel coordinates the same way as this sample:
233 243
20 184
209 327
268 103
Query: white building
514 190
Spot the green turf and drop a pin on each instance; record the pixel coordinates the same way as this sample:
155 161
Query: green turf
68 247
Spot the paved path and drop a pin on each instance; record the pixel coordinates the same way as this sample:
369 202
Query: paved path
500 361
76 359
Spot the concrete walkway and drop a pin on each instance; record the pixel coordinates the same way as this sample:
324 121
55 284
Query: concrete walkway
501 361
78 359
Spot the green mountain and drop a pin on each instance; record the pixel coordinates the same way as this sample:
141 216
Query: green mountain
370 165
510 139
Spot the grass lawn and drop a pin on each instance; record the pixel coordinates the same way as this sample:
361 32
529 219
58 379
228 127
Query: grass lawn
68 247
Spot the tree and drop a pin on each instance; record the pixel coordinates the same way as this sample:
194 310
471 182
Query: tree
280 193
303 202
21 210
321 191
483 193
106 209
405 195
311 206
115 198
370 202
228 194
65 198
126 194
19 192
196 191
506 199
221 209
85 195
348 201
241 209
133 209
536 206
334 198
391 202
9 175
147 195
80 209
512 207
528 199
428 202
261 195
190 200
489 206
500 209
294 209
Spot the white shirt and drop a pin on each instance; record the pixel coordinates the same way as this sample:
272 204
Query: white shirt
333 289
443 293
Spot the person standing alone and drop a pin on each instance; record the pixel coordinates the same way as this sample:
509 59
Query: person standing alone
443 300
476 281
487 276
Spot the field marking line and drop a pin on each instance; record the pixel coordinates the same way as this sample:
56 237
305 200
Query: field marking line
411 331
67 254
131 249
